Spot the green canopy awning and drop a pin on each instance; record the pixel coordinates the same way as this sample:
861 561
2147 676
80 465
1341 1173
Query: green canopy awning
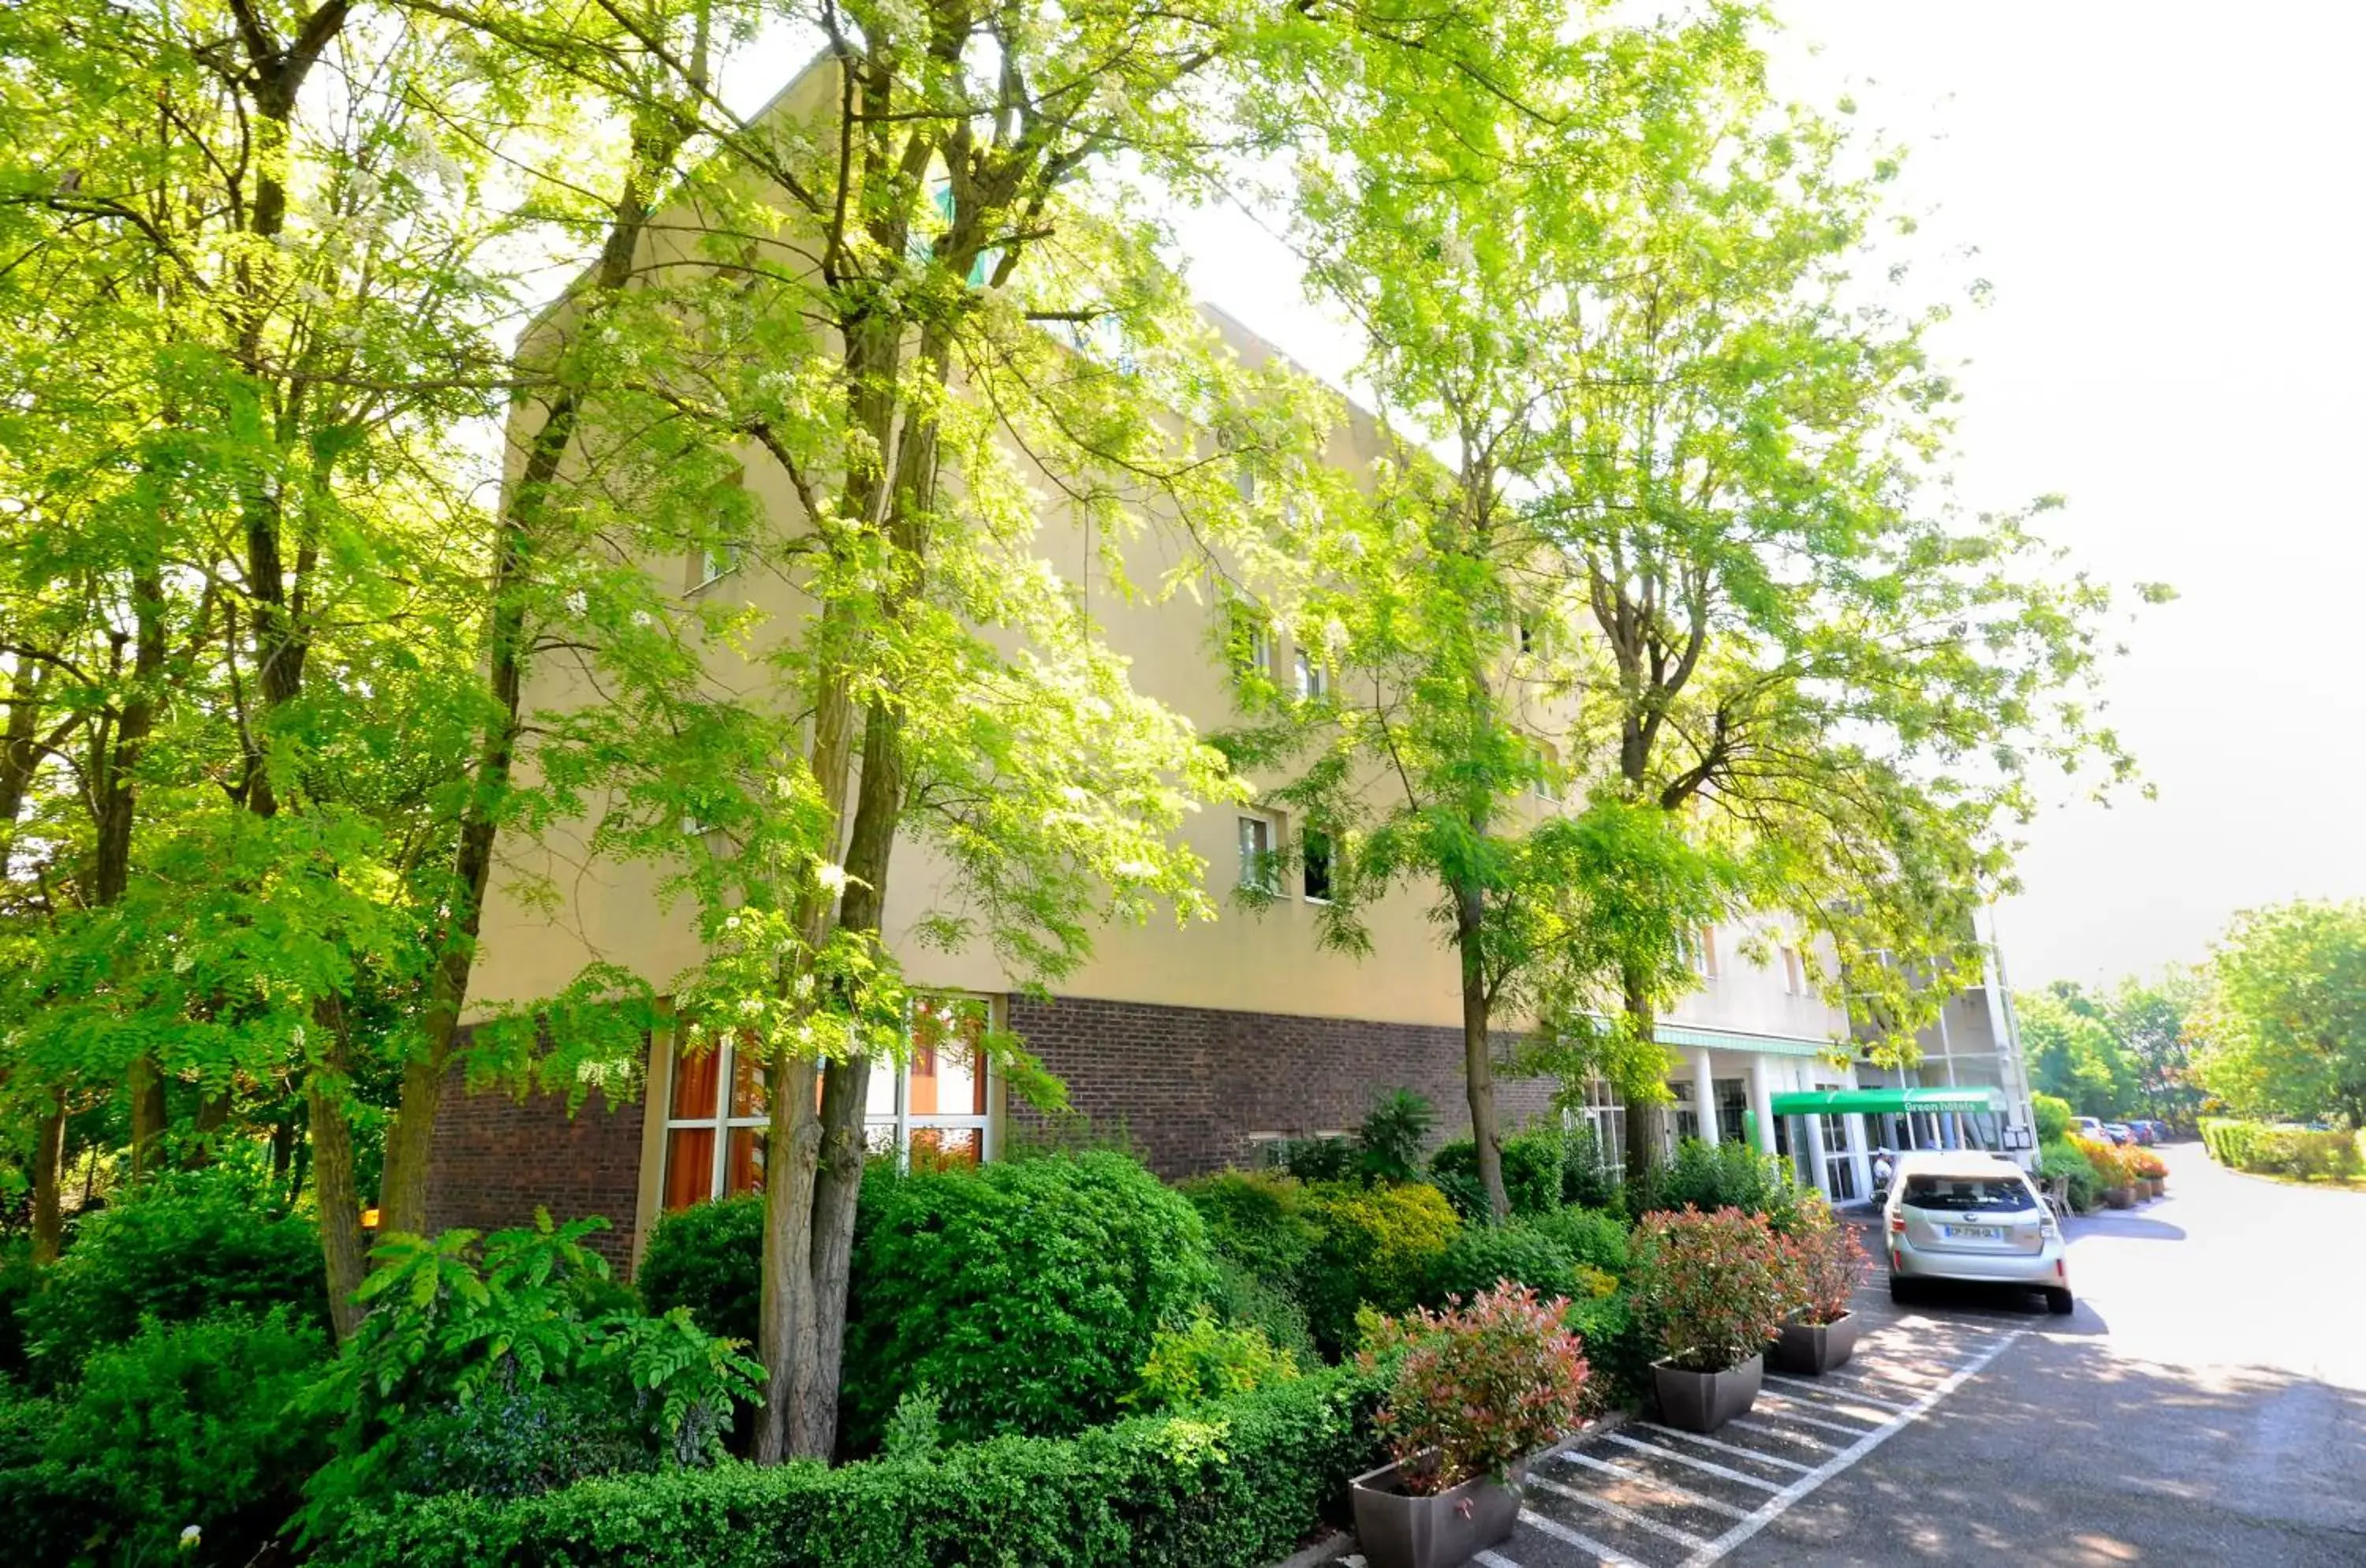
1839 1101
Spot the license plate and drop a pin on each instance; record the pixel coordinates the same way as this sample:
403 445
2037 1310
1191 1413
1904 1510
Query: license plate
1974 1232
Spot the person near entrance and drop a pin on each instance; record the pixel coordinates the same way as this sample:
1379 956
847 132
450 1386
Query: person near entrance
1883 1168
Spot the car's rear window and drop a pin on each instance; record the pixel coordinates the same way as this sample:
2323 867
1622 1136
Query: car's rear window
1955 1194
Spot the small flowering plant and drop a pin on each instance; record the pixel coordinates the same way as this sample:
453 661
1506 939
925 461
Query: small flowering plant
2147 1164
1481 1386
1714 1288
1822 1263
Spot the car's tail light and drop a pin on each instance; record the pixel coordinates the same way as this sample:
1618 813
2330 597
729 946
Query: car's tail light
1898 1224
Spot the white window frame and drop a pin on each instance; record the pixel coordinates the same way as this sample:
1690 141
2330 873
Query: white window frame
1314 681
715 564
1795 972
900 1121
1259 875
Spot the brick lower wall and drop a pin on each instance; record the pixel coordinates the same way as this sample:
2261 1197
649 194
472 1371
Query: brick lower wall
497 1158
1191 1084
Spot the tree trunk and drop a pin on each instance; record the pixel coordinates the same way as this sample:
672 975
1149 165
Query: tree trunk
49 1159
148 1117
1478 1050
1643 1117
784 1335
336 1196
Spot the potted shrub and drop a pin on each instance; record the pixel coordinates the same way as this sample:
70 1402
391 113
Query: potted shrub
1479 1389
2112 1172
1822 1263
2151 1169
1712 1290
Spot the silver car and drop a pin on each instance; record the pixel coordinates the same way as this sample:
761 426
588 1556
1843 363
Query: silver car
1973 1217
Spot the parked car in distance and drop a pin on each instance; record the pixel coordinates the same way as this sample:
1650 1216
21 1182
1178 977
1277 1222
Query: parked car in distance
2118 1132
2143 1132
2088 1127
1971 1216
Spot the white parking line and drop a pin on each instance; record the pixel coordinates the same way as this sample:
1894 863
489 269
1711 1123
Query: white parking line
1627 1515
1561 1533
1846 1396
1730 1448
1783 1403
1705 1467
1493 1559
1646 1479
1781 1502
1817 1443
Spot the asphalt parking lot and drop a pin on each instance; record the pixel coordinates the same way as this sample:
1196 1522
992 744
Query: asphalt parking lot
2206 1403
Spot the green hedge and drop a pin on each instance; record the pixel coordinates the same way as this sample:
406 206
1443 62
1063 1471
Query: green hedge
1240 1481
2276 1150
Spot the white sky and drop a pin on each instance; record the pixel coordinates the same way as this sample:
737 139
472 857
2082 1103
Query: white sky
2167 200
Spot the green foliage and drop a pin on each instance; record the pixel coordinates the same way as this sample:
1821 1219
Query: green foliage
1390 1140
1264 1221
1619 1343
1207 1361
1321 1160
2053 1115
1483 1256
708 1258
2299 1152
1533 1175
1709 1177
1378 1247
1025 1296
2285 1019
1250 1301
1237 1484
181 1249
184 1424
20 1281
455 1325
2074 1053
916 1429
1596 1237
2060 1160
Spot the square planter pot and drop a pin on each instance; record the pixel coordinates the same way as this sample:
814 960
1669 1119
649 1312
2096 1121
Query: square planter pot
2159 1186
2120 1196
1702 1402
1397 1529
1812 1348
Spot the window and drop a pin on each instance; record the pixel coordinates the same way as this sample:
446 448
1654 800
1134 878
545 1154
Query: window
1257 854
1603 1117
713 564
1313 680
1547 782
933 1109
1315 858
1968 1194
1699 949
1251 643
1795 972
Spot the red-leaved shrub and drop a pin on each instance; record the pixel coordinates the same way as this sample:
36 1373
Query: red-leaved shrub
1481 1386
1822 1263
1712 1287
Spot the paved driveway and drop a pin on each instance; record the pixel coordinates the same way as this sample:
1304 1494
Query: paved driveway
2205 1405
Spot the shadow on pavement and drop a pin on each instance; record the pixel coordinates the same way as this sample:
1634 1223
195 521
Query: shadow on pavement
2064 1453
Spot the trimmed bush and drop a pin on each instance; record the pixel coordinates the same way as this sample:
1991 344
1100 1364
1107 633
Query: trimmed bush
184 1424
2053 1115
710 1259
1711 1287
2061 1161
186 1247
1532 1175
1378 1245
1025 1296
1596 1237
1618 1347
1262 1220
1235 1485
2273 1149
1709 1177
1205 1362
1483 1256
1245 1300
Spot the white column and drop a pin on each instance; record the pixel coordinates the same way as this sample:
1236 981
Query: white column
1816 1173
1705 1095
1762 1104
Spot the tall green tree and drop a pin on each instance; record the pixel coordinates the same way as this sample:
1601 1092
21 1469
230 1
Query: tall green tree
2284 1021
2074 1052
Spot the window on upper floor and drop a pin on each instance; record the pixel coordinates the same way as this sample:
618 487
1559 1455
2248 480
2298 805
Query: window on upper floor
1314 681
1700 946
1258 870
1795 972
1314 856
